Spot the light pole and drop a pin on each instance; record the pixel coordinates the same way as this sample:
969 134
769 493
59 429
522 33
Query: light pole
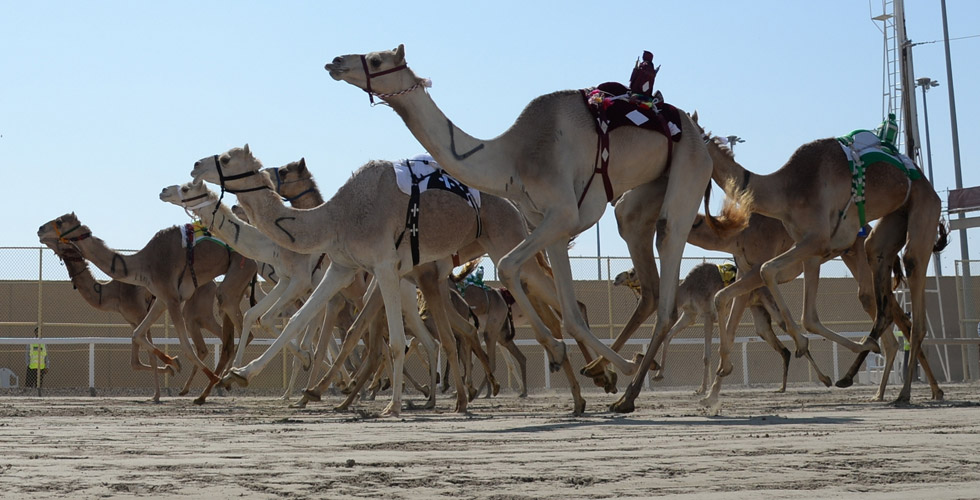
733 140
926 84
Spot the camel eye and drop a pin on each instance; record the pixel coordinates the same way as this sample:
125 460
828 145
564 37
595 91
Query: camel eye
375 62
224 159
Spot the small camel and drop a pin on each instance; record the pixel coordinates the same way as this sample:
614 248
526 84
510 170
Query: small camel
172 274
544 163
695 298
812 196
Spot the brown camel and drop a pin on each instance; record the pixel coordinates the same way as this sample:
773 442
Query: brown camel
543 163
763 239
811 195
172 274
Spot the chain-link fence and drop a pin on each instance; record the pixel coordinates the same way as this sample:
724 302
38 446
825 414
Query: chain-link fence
89 350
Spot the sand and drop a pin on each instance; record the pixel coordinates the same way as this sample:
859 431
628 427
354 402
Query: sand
808 443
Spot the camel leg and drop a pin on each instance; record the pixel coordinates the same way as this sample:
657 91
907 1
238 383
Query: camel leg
769 304
726 342
683 321
709 323
763 328
194 332
173 307
370 364
423 336
332 283
890 347
676 218
325 344
640 246
811 319
514 351
141 339
490 341
389 284
469 333
254 313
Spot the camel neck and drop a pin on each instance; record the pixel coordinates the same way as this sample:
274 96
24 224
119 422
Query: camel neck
288 227
309 198
474 162
110 262
726 170
236 233
703 236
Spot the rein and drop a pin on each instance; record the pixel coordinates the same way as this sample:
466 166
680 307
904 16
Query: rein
422 82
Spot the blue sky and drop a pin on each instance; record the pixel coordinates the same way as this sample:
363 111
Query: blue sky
104 104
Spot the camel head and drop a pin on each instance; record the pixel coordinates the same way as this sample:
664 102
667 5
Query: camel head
383 74
64 229
189 195
627 278
292 180
235 170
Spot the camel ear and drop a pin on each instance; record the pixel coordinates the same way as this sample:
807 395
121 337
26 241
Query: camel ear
302 164
247 151
400 54
695 116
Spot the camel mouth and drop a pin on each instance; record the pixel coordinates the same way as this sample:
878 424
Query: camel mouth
336 71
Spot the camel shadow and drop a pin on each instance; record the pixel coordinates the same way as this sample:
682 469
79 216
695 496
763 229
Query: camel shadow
624 421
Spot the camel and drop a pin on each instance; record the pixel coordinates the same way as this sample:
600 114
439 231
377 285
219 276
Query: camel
361 236
134 303
544 163
761 240
294 182
697 291
172 274
812 196
496 324
296 272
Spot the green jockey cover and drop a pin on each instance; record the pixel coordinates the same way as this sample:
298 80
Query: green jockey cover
863 147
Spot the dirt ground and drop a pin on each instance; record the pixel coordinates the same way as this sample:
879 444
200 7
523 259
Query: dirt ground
807 443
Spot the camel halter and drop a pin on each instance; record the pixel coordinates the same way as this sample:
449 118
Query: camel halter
63 239
185 201
223 180
422 82
290 199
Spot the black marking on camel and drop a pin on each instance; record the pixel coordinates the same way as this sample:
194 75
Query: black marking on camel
452 144
284 229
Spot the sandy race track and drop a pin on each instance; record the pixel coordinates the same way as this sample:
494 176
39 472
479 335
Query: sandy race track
807 443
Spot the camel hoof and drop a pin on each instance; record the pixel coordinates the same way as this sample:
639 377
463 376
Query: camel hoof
311 395
826 381
306 359
234 376
425 390
199 400
385 384
522 395
845 382
170 369
461 403
724 370
579 408
183 392
559 358
472 393
624 405
938 395
300 404
658 377
878 398
496 387
700 390
781 390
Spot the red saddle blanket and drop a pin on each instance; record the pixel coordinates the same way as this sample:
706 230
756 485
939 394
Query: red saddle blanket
614 103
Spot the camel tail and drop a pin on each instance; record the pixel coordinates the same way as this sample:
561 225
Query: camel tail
942 241
467 268
735 211
543 262
898 274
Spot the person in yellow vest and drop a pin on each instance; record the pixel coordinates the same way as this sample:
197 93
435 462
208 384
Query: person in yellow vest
37 363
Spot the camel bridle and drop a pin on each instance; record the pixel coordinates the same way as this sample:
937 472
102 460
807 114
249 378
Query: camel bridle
223 181
368 76
62 236
280 183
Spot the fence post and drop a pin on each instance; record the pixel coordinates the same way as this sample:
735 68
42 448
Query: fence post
91 370
836 361
547 372
646 377
745 363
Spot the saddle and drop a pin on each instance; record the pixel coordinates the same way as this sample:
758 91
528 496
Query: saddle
863 147
613 106
193 234
419 174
